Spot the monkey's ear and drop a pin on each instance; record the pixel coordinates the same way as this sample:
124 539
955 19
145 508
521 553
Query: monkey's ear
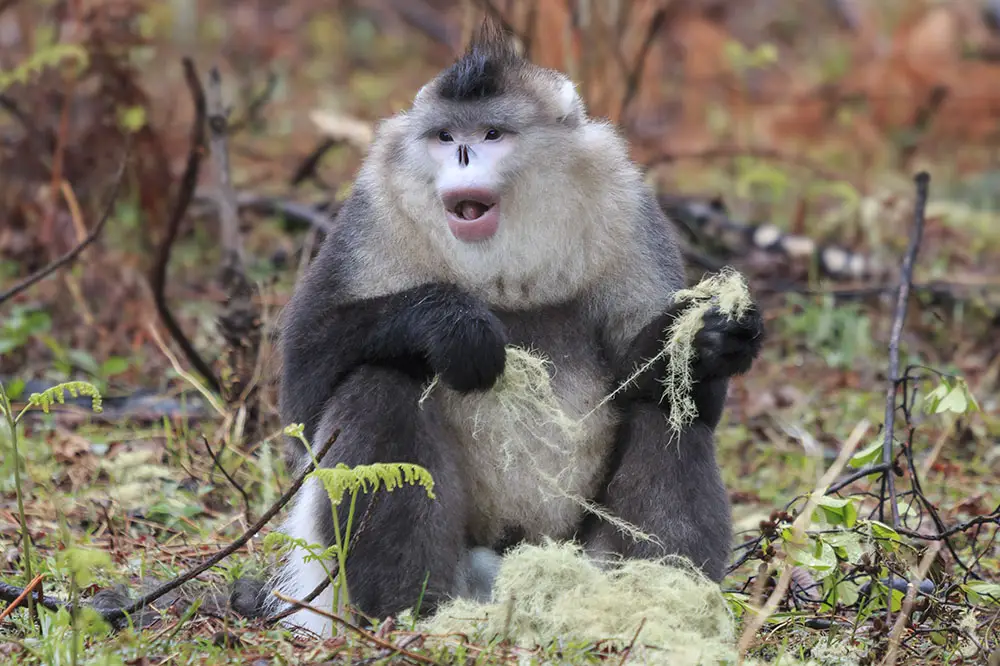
570 105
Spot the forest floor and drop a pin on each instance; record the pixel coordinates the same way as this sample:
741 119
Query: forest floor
169 472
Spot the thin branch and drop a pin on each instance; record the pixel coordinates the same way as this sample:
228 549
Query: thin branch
635 75
11 593
907 606
366 635
67 258
218 126
190 574
989 519
189 181
232 481
635 637
905 282
256 104
859 474
240 321
16 601
292 609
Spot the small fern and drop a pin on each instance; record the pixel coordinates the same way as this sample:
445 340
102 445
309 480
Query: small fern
57 393
42 59
337 481
44 400
342 479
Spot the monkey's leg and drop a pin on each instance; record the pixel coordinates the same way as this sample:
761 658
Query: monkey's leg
669 486
398 538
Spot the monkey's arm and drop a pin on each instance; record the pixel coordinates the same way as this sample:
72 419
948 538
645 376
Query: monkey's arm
643 312
432 328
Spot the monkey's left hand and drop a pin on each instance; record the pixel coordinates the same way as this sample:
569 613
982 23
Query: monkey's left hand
727 347
723 348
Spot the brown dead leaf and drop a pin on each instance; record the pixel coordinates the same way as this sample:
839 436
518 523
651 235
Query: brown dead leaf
341 127
75 453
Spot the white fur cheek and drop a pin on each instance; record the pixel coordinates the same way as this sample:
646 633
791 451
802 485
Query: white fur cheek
297 579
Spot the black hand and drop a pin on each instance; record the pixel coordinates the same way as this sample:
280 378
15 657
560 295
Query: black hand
465 343
723 348
727 347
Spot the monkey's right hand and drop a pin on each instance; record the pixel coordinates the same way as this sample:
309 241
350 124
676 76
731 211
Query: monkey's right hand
464 342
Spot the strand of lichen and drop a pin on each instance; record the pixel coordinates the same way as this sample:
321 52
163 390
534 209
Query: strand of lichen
529 403
726 291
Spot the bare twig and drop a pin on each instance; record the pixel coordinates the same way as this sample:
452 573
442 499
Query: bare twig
992 518
635 74
218 126
240 321
16 601
51 268
905 282
366 635
190 574
10 593
256 104
859 474
185 192
229 477
635 637
907 606
282 614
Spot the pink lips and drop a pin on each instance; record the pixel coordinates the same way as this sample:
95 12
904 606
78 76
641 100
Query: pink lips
473 213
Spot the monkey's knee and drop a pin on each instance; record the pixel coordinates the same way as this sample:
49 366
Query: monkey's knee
400 539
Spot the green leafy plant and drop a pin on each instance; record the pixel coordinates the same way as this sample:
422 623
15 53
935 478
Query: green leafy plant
20 325
43 401
338 481
839 332
44 58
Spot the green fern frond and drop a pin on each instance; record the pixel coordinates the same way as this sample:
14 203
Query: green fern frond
341 479
58 394
279 540
49 56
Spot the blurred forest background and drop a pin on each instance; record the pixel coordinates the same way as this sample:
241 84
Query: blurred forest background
782 135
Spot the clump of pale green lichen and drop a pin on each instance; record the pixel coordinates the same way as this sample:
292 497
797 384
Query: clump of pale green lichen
556 592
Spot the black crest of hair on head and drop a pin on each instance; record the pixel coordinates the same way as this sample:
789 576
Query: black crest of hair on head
481 71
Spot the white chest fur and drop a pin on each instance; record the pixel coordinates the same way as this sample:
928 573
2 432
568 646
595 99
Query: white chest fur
525 469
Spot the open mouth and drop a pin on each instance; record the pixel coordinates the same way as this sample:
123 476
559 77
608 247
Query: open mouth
470 210
473 214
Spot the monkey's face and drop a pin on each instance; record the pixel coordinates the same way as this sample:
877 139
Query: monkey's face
506 179
469 178
483 165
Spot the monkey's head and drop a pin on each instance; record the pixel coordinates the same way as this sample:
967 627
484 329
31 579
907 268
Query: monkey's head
499 167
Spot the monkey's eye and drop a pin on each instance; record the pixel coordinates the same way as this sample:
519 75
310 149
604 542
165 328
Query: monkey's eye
445 137
493 134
